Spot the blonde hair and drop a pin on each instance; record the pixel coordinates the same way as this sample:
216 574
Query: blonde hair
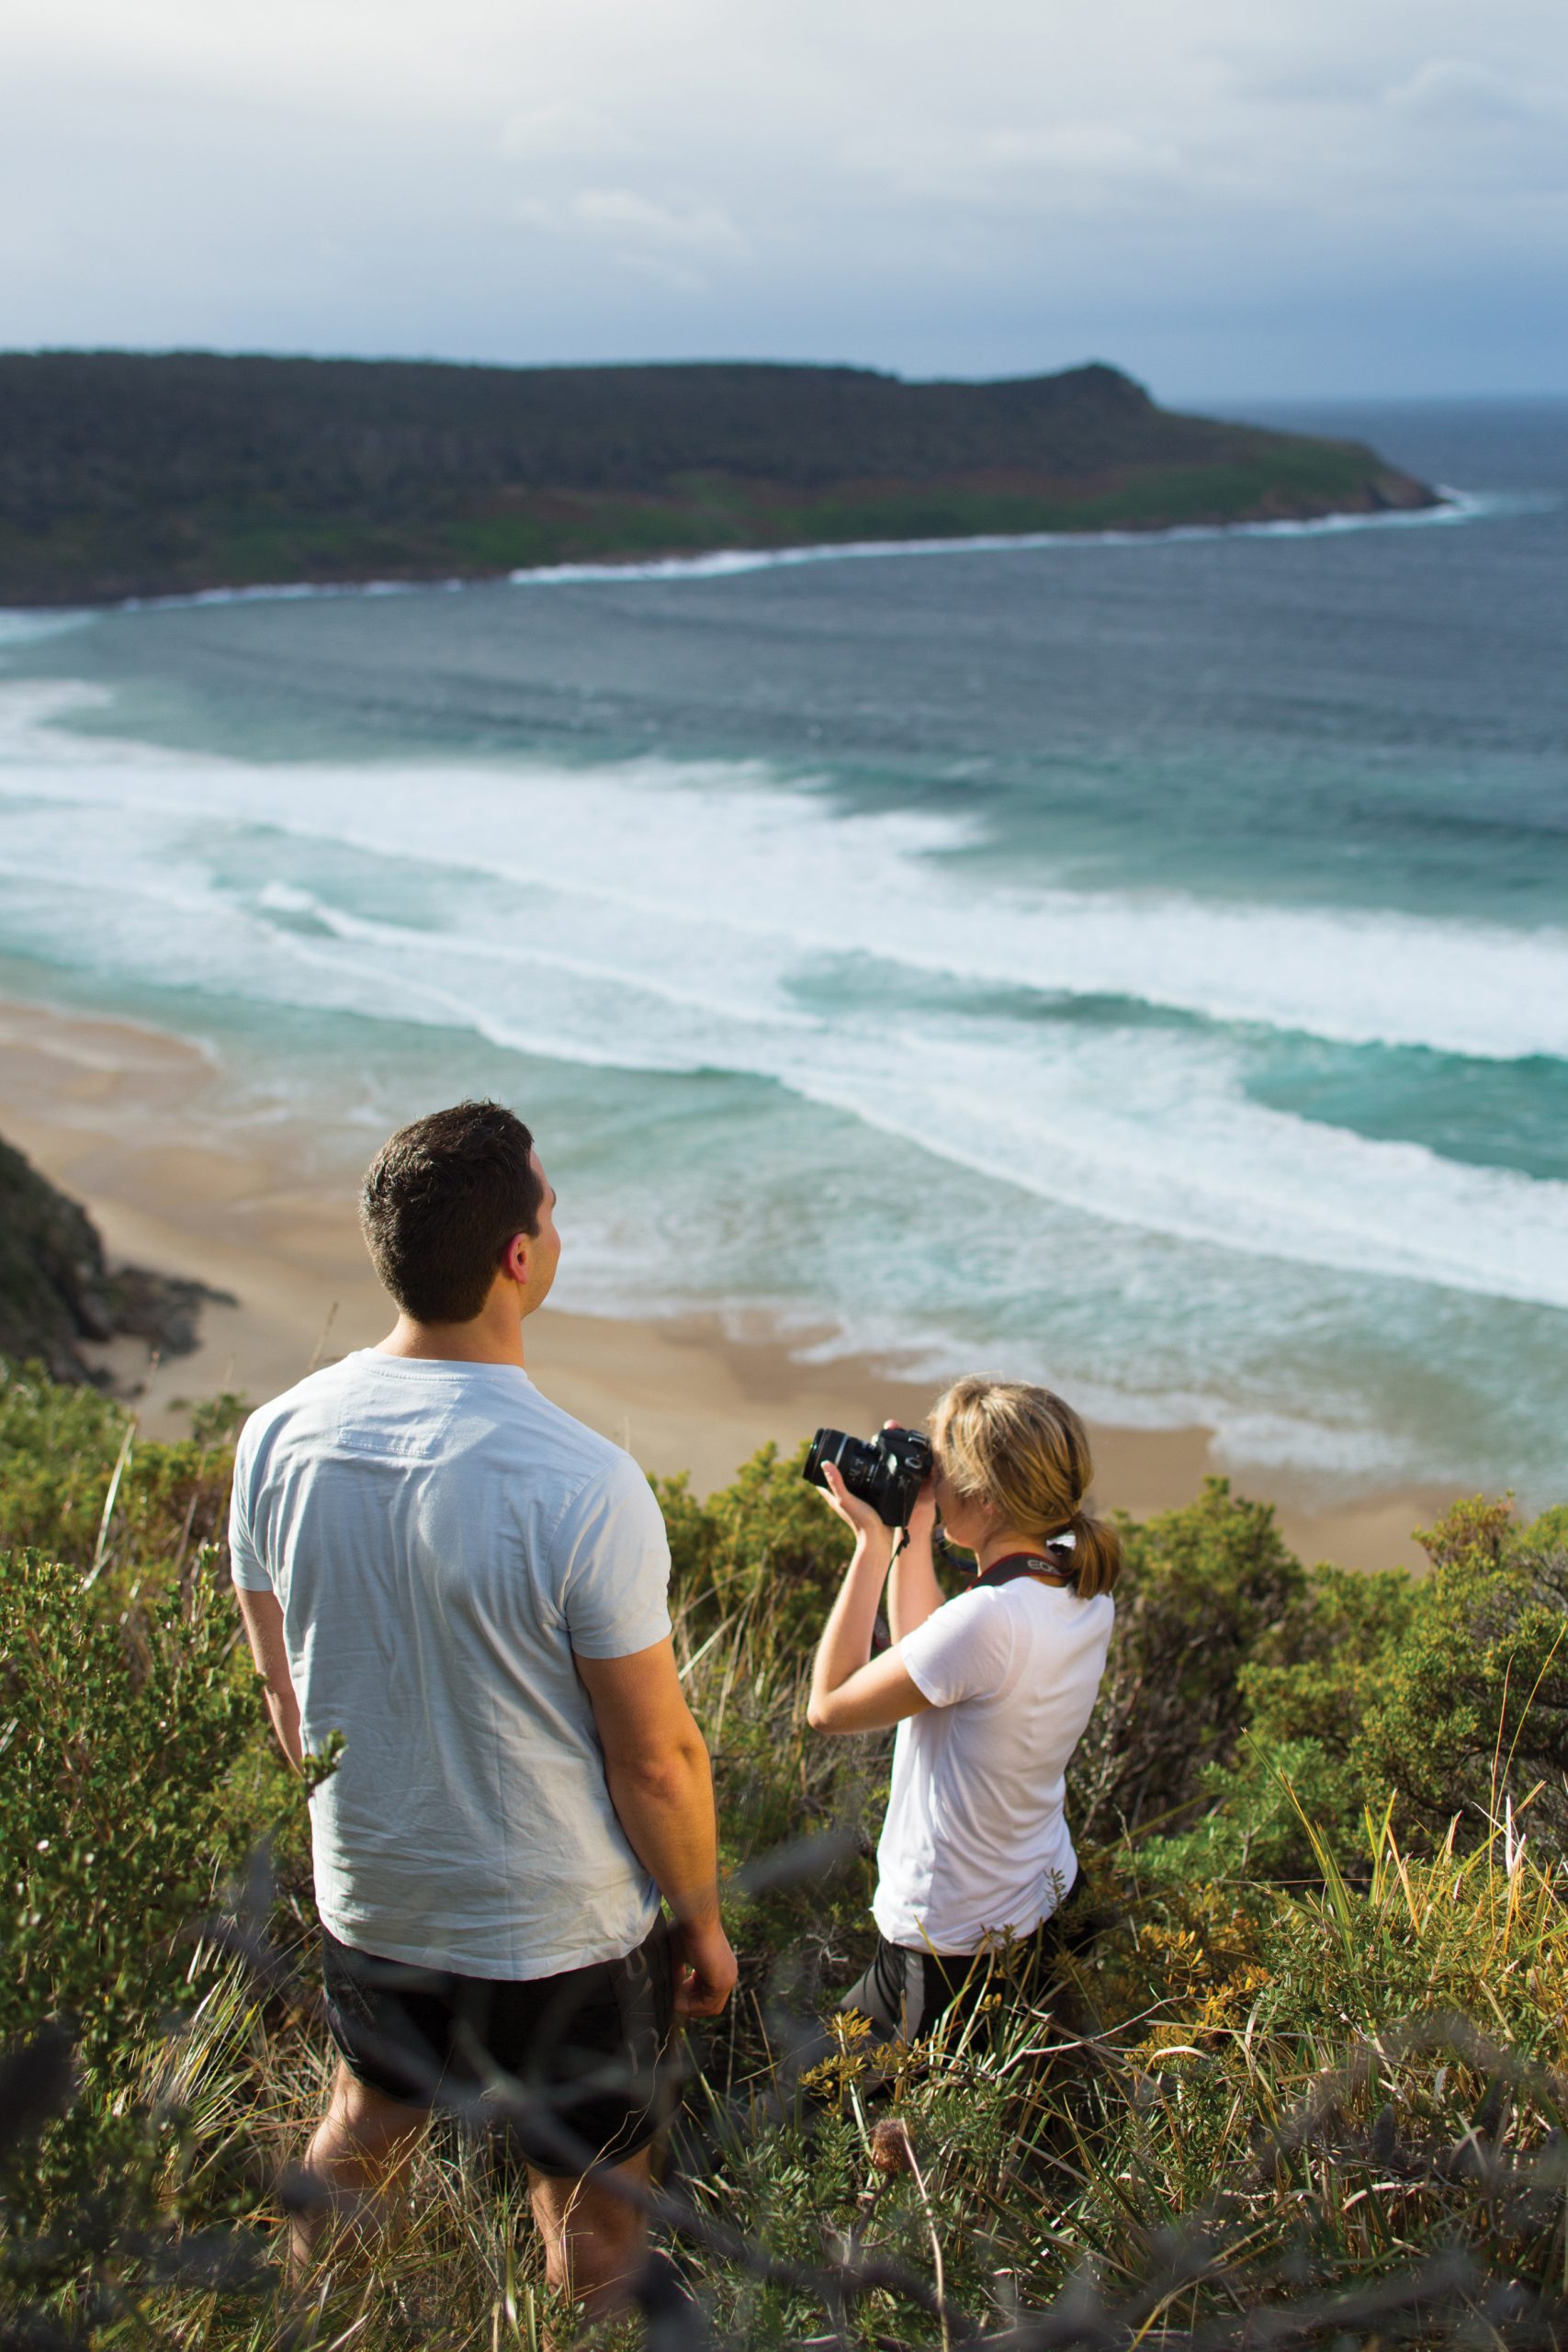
1024 1452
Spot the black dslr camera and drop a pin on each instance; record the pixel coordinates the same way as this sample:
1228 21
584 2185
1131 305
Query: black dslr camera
887 1471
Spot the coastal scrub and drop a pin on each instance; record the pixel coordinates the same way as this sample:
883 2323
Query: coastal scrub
1307 2058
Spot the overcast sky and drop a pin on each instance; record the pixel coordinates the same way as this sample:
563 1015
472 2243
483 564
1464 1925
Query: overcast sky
1232 199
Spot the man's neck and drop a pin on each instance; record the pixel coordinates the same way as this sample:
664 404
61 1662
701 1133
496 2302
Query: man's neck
489 1338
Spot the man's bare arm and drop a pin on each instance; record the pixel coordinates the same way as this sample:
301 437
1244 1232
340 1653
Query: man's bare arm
661 1787
263 1615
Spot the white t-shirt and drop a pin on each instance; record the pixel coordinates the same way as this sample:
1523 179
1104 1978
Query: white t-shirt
975 1839
442 1538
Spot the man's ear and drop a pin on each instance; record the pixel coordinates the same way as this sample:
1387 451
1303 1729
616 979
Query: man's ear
514 1257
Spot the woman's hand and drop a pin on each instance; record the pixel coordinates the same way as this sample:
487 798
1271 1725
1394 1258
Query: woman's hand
854 1512
879 1693
866 1520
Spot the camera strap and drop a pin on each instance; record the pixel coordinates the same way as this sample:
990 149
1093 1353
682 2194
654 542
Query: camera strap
1029 1564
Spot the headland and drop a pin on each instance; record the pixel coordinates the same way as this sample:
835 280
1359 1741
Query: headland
127 475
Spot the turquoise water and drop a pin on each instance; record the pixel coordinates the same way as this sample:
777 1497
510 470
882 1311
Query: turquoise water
1142 966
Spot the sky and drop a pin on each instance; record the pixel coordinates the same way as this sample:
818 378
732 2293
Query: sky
1234 199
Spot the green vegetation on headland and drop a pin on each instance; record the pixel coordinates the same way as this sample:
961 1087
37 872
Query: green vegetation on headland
1306 2084
130 475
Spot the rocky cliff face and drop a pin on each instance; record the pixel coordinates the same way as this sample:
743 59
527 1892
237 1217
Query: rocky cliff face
58 1290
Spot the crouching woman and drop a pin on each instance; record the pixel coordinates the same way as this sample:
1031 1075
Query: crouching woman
990 1692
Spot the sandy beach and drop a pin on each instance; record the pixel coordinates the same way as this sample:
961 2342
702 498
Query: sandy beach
127 1120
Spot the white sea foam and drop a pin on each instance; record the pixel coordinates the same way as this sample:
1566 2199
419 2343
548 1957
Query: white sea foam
696 874
668 918
288 592
27 627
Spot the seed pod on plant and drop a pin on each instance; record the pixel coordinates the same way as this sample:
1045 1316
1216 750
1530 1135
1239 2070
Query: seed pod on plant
891 2150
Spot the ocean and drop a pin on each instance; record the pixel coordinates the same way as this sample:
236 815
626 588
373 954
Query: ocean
1140 965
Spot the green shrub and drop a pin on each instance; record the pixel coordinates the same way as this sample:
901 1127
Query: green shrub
1447 1697
57 1449
131 1787
63 1451
1469 1714
1349 1625
1253 1828
122 1730
765 1551
1204 1591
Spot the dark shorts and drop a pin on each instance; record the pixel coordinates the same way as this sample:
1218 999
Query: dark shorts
590 2050
904 1993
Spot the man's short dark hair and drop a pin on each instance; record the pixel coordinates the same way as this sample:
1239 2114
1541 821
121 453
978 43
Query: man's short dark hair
441 1199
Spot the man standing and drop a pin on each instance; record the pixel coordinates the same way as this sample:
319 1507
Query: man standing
470 1587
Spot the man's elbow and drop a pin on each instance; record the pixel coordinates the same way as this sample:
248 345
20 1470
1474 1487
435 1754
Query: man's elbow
662 1777
820 1712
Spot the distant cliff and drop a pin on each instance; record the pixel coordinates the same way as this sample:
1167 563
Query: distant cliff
57 1289
125 474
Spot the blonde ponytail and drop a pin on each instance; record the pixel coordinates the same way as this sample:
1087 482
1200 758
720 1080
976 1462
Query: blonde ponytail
1096 1555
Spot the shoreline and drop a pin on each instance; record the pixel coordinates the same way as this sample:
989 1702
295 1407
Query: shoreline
1448 505
119 1115
113 1111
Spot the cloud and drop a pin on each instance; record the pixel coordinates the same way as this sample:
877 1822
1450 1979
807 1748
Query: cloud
621 213
1085 167
1453 92
1333 81
662 243
678 276
957 185
564 129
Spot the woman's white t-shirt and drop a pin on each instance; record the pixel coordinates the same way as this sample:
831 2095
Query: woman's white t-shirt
976 1841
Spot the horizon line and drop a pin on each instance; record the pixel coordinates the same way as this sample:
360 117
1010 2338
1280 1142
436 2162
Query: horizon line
1413 398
